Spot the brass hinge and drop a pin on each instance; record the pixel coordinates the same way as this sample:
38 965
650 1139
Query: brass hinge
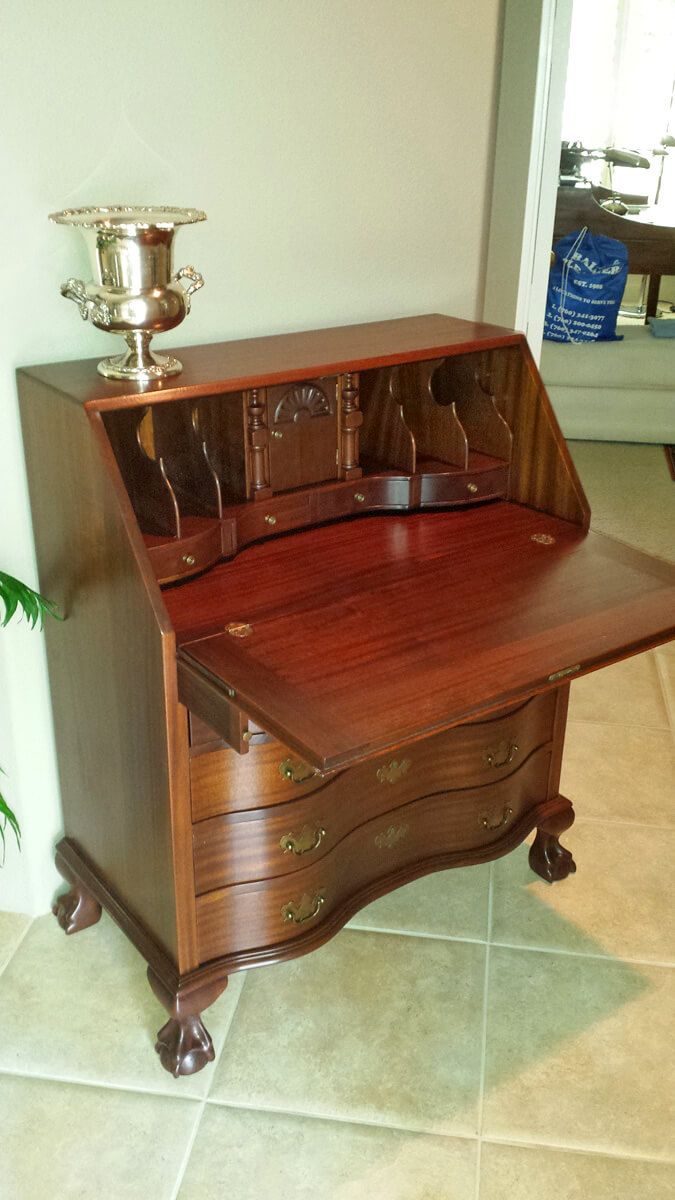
565 671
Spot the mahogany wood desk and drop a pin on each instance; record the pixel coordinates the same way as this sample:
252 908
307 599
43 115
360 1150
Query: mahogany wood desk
324 595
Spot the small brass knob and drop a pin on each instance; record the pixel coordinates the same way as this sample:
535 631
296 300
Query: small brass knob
269 519
276 433
238 629
189 560
472 487
359 497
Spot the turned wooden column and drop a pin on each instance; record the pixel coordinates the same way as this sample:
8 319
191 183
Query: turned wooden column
258 447
350 422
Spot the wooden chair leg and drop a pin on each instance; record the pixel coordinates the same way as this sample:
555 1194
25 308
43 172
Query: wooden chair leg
547 857
184 1044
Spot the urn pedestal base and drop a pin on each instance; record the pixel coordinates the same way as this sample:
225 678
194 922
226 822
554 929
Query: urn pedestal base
138 362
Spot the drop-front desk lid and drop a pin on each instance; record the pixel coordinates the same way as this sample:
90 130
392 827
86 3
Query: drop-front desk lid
370 633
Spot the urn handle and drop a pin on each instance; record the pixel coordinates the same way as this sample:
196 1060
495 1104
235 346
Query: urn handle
95 310
196 282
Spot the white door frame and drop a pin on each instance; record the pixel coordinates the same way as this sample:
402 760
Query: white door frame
529 121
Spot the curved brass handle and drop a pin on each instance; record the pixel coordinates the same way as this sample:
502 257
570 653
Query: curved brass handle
309 838
502 754
305 910
95 310
296 772
196 282
508 812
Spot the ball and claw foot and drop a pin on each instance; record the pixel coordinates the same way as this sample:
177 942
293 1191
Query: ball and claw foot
76 909
549 859
184 1046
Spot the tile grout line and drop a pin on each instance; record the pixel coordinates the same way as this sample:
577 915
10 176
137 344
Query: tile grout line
226 1033
606 958
484 1029
185 1162
188 1150
443 937
413 933
14 949
621 725
211 1068
622 824
338 1119
70 1080
576 1148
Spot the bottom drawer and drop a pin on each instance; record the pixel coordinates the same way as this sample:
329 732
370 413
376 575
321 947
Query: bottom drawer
249 916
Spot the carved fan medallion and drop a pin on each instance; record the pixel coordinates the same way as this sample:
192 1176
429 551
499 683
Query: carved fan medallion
302 402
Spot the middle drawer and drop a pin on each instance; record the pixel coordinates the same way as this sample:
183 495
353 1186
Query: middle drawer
265 840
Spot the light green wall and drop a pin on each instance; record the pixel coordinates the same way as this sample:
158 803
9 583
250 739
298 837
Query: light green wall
342 151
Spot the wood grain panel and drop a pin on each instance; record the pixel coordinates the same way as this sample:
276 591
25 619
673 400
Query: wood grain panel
440 616
542 472
116 731
386 440
436 428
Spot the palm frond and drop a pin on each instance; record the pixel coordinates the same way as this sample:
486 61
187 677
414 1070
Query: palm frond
17 595
7 817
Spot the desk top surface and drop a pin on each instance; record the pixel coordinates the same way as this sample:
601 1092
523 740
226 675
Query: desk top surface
372 632
262 361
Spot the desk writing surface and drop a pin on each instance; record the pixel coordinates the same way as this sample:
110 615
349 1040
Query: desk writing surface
372 632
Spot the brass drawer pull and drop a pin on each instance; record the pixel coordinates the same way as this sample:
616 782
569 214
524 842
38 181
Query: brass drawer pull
189 560
502 754
305 910
508 812
309 838
269 519
472 488
393 770
296 772
390 837
359 497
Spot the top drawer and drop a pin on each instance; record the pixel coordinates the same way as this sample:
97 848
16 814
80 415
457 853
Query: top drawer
466 756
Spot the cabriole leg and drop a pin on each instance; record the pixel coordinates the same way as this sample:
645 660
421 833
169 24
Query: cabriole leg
547 857
184 1045
76 909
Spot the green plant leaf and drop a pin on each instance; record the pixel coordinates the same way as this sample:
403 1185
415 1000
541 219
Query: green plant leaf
17 595
7 817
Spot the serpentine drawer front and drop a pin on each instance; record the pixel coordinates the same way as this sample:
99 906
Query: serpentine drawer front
252 915
311 815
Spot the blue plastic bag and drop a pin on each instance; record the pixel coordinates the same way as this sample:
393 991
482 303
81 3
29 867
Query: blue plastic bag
585 287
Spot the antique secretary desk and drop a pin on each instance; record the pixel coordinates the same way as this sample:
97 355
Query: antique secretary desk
324 595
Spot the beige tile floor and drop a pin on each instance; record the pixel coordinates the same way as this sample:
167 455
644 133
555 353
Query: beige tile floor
477 1035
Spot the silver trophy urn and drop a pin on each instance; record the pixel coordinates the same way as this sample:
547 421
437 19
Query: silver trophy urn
135 292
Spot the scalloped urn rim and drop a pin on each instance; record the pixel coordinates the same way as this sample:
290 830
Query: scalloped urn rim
124 218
